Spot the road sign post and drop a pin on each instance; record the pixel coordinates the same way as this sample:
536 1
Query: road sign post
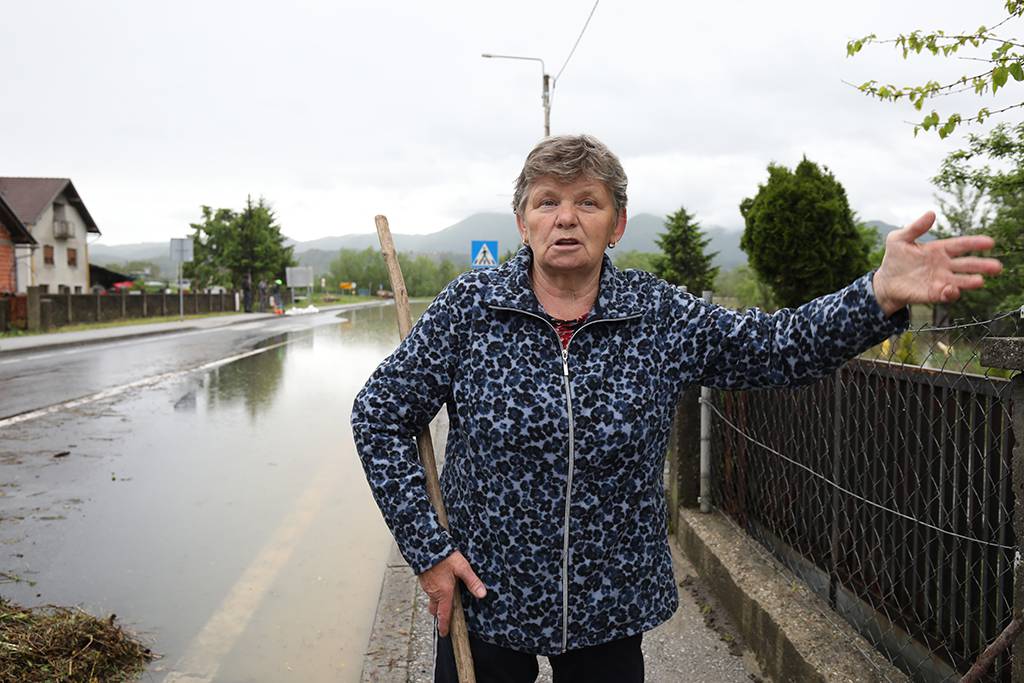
299 276
181 252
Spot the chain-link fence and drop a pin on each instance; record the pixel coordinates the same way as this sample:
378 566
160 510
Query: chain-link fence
887 488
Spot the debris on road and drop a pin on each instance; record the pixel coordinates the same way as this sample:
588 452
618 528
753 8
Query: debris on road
308 310
62 454
59 643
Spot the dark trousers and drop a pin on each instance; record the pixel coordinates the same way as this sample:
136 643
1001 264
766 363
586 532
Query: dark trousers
619 661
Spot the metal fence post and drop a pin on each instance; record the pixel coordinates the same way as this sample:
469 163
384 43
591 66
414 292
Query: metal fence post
705 438
1008 353
837 441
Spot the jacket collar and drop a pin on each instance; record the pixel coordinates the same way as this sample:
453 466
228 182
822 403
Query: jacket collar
511 288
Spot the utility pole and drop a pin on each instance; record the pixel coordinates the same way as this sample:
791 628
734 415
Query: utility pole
546 85
547 106
548 81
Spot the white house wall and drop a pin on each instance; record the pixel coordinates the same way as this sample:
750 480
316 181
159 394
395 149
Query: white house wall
23 259
60 273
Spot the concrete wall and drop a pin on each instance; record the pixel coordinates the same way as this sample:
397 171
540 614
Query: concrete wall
60 273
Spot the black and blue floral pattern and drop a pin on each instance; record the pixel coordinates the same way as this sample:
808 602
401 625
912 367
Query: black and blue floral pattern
485 348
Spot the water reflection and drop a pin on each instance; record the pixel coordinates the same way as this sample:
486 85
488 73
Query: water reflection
251 382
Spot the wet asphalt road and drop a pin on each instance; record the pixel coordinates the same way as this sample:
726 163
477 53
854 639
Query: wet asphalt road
221 513
32 380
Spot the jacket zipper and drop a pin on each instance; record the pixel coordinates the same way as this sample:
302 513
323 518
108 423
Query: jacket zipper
572 452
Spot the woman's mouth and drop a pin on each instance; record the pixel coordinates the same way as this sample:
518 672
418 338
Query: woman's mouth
567 242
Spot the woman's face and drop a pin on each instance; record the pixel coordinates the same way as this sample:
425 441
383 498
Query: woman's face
568 225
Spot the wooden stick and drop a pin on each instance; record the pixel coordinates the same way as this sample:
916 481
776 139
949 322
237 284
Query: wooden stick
459 632
996 648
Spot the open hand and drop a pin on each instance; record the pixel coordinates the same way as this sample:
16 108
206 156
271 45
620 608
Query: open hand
929 272
439 583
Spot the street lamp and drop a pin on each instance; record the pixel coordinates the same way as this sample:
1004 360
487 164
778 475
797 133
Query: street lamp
547 80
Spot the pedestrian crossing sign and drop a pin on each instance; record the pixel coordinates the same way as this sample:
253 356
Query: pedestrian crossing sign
484 254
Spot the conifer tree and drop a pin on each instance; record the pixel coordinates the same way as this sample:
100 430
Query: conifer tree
801 236
683 260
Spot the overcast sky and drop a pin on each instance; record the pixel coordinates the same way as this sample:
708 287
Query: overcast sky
338 110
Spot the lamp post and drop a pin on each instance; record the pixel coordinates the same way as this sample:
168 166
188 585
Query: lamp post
546 99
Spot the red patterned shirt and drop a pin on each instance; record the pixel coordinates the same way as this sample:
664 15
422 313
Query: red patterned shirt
565 328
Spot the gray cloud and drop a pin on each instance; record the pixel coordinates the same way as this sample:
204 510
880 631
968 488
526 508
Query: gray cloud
336 111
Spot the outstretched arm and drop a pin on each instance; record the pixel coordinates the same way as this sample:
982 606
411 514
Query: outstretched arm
930 272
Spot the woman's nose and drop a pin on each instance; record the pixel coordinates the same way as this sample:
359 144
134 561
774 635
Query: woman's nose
566 216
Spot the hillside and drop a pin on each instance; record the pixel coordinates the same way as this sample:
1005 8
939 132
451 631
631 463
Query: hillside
641 235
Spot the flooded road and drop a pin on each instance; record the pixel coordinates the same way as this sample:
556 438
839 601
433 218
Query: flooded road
222 514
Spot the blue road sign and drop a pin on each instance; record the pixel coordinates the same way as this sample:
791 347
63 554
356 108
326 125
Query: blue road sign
484 254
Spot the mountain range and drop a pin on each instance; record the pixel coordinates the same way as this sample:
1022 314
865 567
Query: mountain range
642 232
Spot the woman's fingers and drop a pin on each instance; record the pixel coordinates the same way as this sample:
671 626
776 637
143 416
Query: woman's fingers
955 246
976 264
968 281
916 229
444 614
472 581
439 583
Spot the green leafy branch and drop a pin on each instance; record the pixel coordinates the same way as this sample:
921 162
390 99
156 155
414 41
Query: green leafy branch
1006 61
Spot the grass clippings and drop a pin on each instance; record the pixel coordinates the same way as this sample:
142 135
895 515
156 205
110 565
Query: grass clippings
51 643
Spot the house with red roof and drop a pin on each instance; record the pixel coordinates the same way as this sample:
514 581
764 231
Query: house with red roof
13 235
56 218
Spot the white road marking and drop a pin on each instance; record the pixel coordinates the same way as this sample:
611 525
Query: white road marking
145 381
243 327
203 656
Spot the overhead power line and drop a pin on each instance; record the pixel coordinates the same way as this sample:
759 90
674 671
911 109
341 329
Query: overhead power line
576 44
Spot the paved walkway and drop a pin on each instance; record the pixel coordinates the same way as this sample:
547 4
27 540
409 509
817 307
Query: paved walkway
38 342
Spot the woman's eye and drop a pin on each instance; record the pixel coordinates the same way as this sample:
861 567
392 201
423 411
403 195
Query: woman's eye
588 202
547 202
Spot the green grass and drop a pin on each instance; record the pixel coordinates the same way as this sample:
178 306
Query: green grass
959 355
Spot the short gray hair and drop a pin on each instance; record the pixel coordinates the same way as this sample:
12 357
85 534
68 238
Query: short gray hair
567 158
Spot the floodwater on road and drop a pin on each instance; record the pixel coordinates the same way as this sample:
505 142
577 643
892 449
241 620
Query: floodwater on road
223 514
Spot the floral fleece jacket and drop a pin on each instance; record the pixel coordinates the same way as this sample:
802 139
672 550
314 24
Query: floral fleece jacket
553 467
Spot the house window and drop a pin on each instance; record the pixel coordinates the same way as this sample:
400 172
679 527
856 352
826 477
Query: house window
78 289
63 289
72 257
48 254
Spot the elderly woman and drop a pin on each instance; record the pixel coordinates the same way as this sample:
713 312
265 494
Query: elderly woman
561 374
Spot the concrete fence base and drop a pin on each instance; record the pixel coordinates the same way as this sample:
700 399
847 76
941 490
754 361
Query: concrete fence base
782 621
